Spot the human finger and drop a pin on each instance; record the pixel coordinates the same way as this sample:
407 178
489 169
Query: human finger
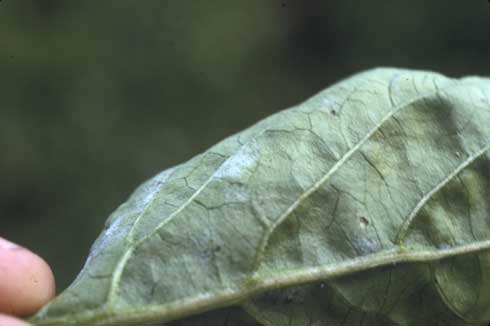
26 280
11 321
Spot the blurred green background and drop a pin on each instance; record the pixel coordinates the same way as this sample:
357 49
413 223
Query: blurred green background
97 96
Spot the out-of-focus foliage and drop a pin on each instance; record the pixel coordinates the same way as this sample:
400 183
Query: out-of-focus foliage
95 97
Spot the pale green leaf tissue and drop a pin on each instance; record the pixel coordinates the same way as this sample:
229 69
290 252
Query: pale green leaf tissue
368 204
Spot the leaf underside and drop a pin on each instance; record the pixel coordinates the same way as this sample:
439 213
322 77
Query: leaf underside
365 205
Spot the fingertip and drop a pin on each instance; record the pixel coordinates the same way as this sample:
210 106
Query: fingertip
11 321
26 282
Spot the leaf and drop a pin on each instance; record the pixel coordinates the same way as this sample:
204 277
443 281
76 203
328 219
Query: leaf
365 205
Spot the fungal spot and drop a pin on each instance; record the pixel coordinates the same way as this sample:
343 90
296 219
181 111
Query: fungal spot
333 112
366 246
363 222
444 246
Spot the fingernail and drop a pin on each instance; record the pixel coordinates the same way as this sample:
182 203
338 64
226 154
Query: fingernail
7 245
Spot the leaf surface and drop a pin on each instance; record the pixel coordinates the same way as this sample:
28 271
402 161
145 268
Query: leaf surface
365 205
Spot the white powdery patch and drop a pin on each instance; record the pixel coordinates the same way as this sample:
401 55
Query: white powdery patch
329 103
112 235
366 246
239 165
122 224
147 192
394 88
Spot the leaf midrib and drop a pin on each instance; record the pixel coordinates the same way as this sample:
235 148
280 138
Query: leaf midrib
226 297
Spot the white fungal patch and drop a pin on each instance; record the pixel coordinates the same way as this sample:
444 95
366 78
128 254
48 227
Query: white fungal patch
112 235
148 191
239 165
366 246
120 227
394 88
328 103
148 195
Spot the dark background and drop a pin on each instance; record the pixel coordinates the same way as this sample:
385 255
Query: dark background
97 96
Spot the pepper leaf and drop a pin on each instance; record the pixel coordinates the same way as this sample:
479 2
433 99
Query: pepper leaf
368 204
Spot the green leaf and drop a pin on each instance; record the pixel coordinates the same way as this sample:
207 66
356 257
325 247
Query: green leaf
365 205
